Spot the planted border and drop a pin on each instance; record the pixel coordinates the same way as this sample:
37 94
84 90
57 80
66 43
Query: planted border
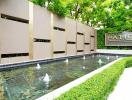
99 86
129 63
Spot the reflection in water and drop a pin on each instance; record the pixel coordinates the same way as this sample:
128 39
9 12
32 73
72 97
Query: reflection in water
30 83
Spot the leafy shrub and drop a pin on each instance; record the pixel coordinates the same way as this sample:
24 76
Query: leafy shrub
38 2
99 86
57 7
101 39
129 63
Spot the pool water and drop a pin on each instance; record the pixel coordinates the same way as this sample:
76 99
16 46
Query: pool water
33 81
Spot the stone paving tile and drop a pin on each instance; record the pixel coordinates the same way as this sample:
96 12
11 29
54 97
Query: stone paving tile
123 90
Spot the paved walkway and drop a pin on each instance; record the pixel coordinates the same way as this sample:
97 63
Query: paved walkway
123 90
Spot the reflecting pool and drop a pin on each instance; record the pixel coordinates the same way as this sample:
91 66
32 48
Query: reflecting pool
33 81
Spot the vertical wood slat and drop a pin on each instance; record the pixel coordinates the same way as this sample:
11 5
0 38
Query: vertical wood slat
30 30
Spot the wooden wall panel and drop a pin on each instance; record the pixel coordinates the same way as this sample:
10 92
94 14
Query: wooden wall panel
41 23
42 50
41 33
80 38
80 42
14 60
87 49
92 43
59 36
17 8
87 40
14 37
0 39
71 30
59 42
92 31
95 32
58 21
87 32
93 40
80 27
59 55
71 49
14 30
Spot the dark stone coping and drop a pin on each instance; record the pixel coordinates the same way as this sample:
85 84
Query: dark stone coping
6 67
45 61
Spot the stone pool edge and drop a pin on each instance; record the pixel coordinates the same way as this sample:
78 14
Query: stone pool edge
30 62
56 93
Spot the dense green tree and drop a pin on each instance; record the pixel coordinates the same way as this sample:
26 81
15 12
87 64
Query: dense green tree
57 7
110 15
39 2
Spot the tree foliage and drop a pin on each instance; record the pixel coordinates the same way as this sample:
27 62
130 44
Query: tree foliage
111 15
57 7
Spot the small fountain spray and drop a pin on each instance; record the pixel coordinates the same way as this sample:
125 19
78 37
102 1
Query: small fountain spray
66 61
84 67
84 57
46 79
38 67
108 58
100 61
117 56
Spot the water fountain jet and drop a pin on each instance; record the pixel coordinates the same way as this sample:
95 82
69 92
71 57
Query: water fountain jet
66 61
46 78
84 67
84 57
100 61
117 56
108 58
38 66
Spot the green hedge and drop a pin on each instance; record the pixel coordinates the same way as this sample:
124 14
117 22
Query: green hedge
99 86
101 39
129 63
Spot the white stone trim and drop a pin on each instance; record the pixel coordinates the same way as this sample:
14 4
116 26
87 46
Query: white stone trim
114 51
56 93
